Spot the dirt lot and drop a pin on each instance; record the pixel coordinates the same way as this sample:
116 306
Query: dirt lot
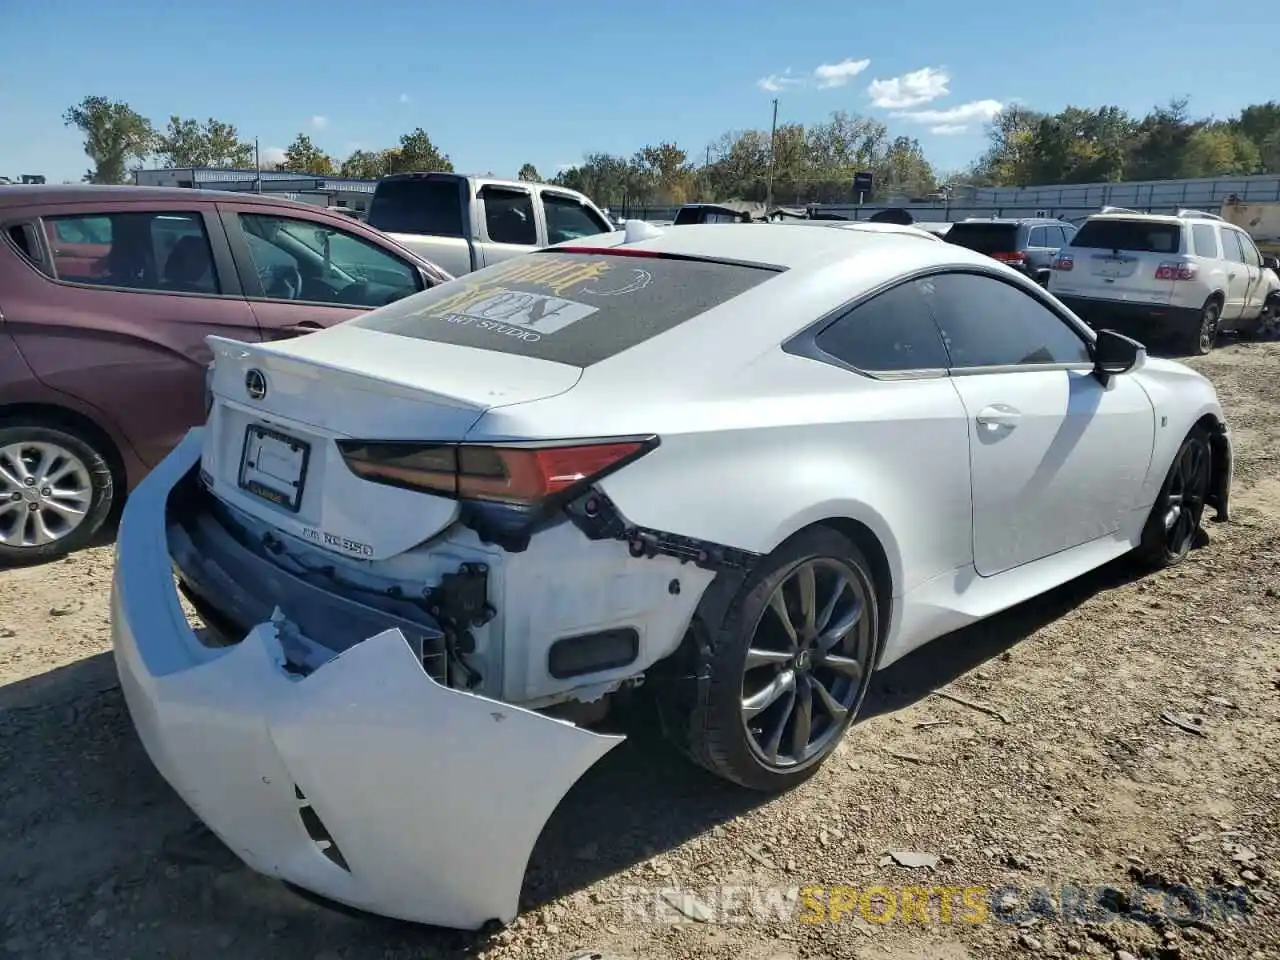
1076 782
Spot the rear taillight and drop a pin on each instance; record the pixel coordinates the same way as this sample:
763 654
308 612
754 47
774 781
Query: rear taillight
520 475
1064 262
1177 270
1013 259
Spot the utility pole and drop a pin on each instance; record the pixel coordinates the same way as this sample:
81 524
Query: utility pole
773 132
257 165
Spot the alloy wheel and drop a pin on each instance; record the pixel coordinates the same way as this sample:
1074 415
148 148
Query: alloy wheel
1208 327
45 493
807 664
1184 503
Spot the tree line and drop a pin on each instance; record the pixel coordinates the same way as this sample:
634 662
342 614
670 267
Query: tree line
811 163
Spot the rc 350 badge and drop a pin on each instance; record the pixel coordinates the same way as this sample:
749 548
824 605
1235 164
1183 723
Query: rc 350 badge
353 547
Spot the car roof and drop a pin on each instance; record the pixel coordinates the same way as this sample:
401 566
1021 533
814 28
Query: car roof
794 246
125 193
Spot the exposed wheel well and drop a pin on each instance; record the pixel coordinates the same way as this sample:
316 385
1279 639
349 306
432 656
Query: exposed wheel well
871 548
48 414
1217 297
1219 464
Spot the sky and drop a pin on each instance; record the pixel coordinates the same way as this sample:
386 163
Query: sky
504 83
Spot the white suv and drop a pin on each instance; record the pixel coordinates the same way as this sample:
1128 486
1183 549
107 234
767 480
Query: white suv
1179 278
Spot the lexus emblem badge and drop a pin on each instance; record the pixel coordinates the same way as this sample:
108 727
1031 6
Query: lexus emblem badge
255 384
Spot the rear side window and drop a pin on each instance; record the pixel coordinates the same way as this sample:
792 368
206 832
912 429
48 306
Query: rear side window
1134 236
572 308
1206 242
159 252
1039 237
985 238
508 216
1231 247
417 205
892 332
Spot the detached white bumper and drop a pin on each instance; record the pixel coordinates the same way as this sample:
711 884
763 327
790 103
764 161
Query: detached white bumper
432 797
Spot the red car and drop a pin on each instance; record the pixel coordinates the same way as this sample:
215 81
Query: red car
106 297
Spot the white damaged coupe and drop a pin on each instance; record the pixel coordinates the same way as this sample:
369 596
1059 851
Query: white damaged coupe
745 465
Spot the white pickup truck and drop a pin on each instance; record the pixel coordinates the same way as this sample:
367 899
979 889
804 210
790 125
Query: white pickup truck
464 223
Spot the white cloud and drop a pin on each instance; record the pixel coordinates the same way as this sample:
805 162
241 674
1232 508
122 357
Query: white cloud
949 129
404 98
562 167
910 89
776 82
272 155
838 74
319 123
976 111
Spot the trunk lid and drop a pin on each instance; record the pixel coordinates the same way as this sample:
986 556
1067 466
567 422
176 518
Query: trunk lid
278 408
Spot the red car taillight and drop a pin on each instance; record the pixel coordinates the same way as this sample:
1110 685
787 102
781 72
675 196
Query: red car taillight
1064 262
1177 270
518 475
1013 259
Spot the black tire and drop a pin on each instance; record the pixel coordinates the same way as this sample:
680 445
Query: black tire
97 493
1202 338
702 711
1184 491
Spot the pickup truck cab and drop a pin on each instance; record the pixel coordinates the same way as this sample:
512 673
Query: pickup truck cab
464 223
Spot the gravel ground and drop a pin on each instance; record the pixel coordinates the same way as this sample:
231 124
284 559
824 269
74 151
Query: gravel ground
1067 777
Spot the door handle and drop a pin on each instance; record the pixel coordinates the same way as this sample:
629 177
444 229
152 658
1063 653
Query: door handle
998 415
296 329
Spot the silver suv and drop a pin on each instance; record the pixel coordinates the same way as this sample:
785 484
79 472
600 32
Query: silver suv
1177 278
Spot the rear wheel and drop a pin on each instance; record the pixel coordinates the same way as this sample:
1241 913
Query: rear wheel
56 490
786 670
1200 340
1174 523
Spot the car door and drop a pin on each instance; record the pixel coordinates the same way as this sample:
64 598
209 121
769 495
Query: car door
1057 459
1256 295
508 223
1237 284
303 272
126 332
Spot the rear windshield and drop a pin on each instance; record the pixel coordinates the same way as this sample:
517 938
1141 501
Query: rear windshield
574 308
985 238
430 207
1135 236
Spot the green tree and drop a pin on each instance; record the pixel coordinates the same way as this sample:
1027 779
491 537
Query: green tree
189 143
1218 150
303 156
366 164
529 172
904 169
114 134
416 153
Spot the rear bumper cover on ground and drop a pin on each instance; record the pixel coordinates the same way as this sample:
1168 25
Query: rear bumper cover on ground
365 781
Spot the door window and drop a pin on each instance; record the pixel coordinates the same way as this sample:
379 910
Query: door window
311 261
1205 240
986 322
567 219
891 332
161 252
1039 237
508 216
1251 255
1231 248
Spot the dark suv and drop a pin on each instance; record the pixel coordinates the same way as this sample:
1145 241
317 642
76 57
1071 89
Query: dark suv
106 297
1027 244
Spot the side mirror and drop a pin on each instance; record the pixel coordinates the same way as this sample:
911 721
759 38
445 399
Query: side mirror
1272 263
1115 354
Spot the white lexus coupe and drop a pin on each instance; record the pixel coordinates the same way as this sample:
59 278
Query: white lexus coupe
745 464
